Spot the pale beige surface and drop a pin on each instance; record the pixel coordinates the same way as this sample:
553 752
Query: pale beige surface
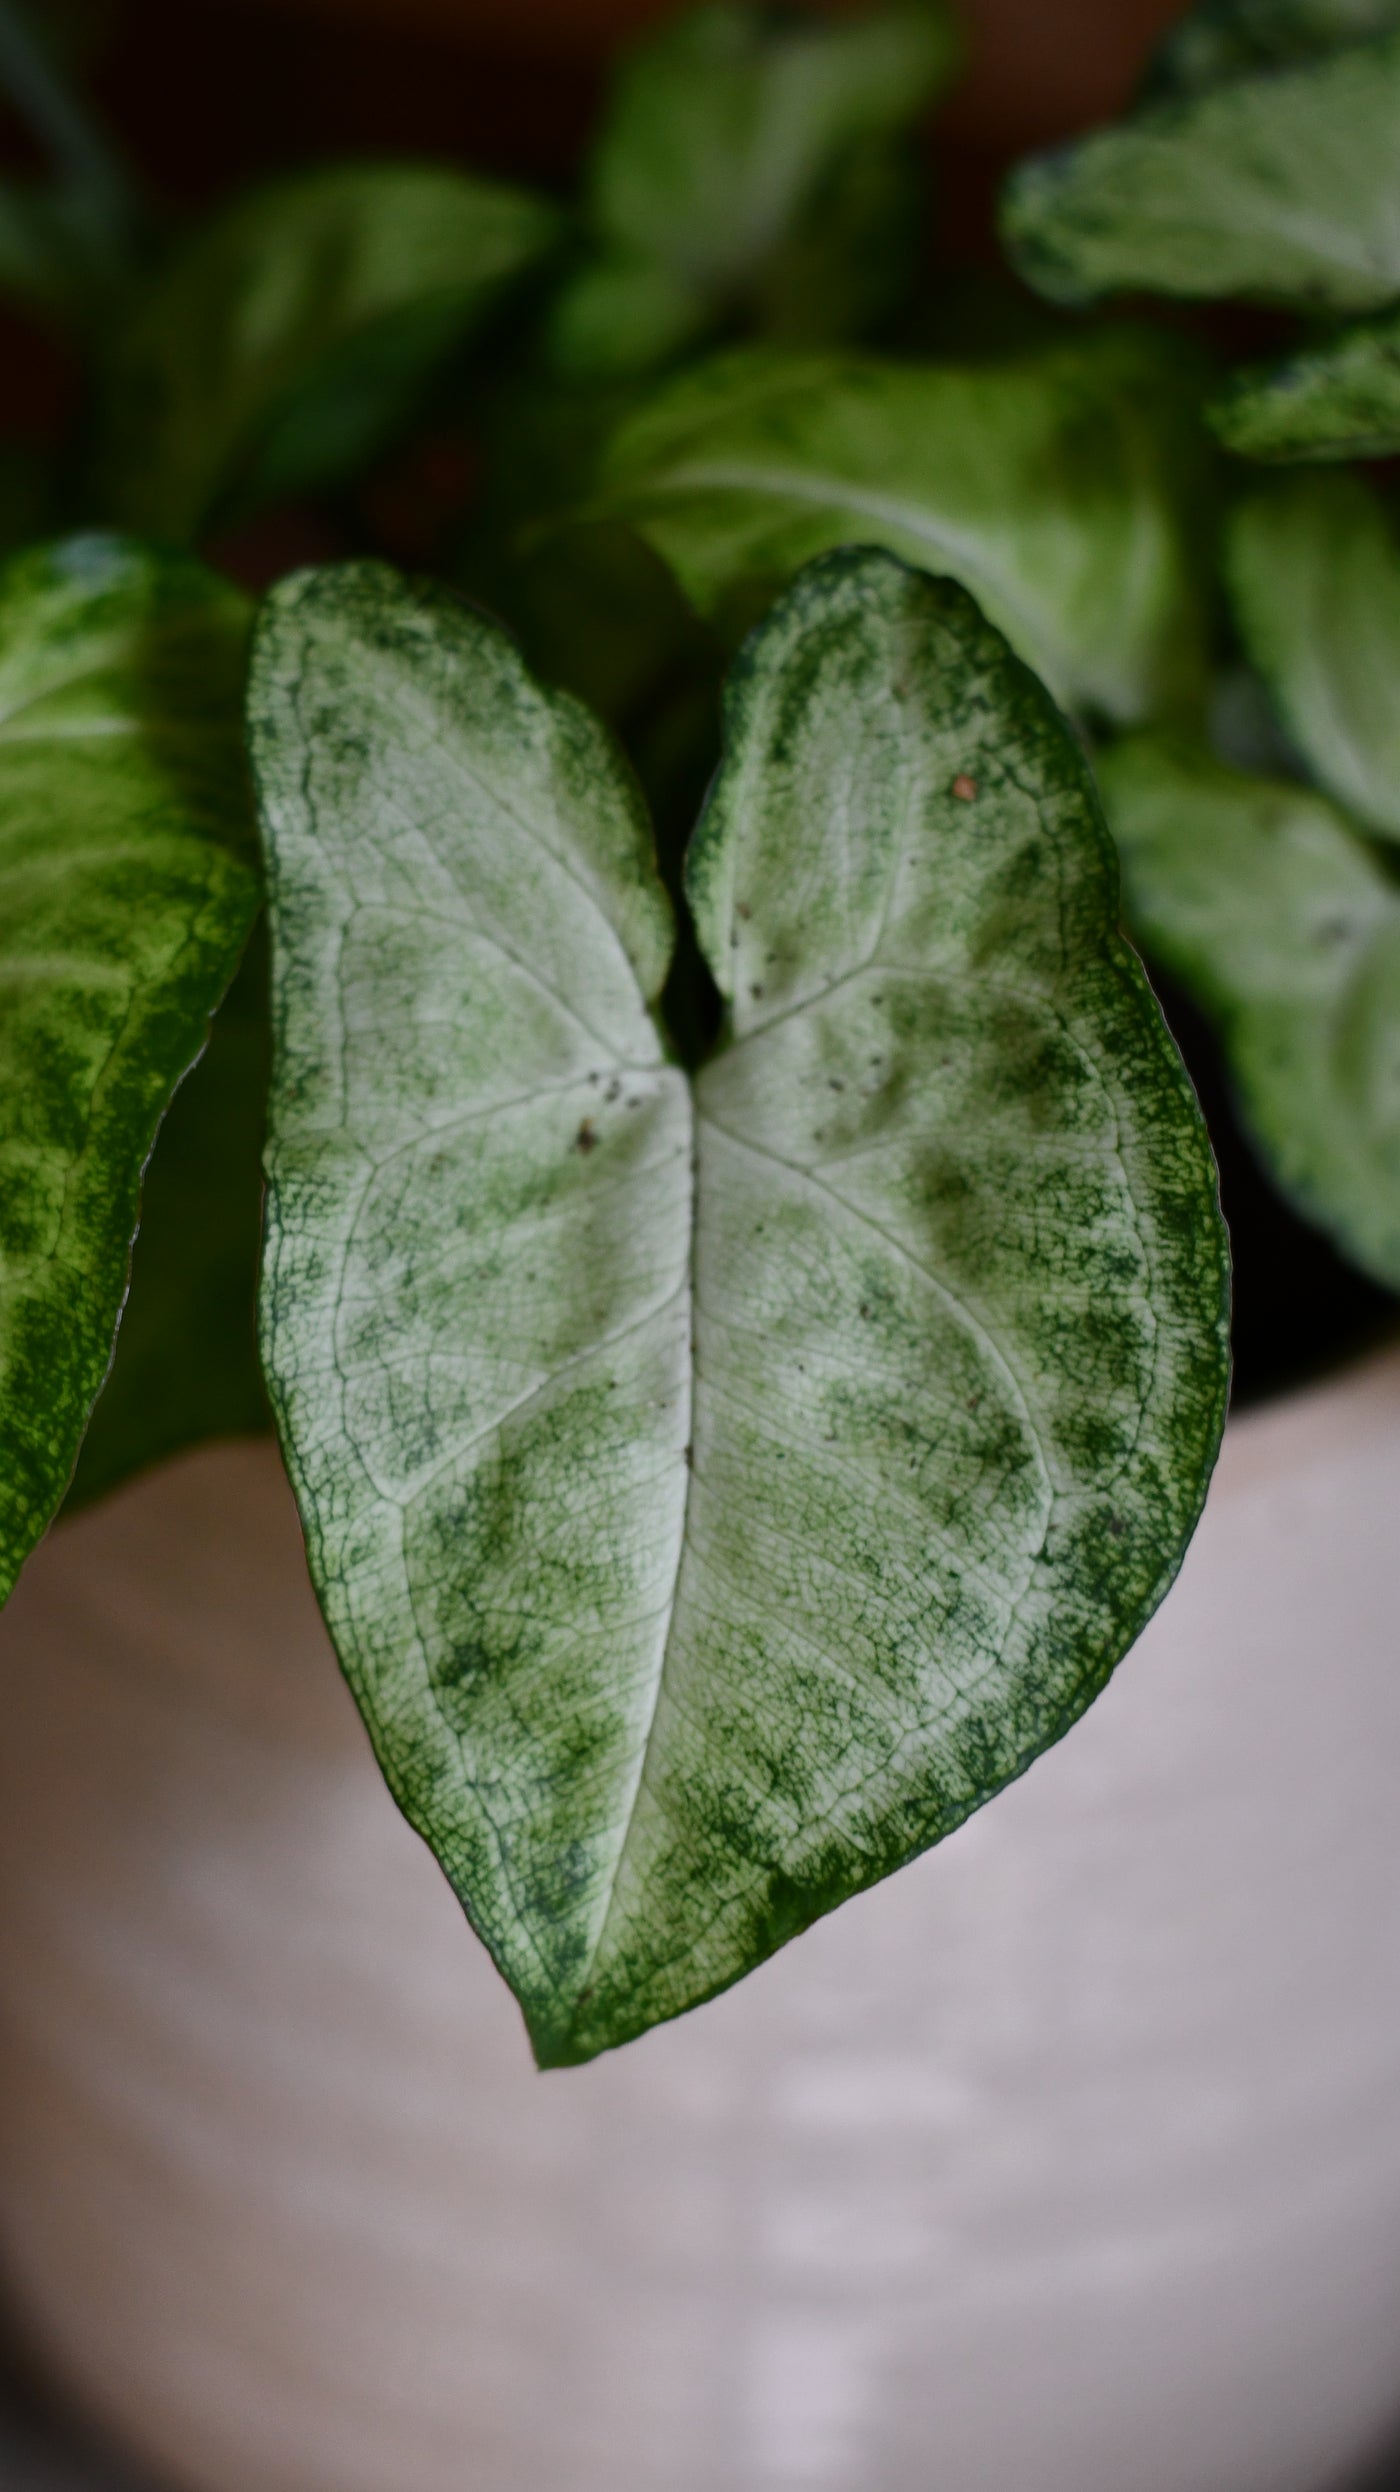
1068 2161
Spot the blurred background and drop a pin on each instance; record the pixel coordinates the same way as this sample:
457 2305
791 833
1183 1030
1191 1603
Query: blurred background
205 98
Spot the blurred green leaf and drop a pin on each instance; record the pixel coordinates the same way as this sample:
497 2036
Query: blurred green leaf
186 1364
68 243
1283 187
27 494
753 167
1071 491
128 878
43 264
597 611
284 343
1337 398
1227 39
1314 571
1261 898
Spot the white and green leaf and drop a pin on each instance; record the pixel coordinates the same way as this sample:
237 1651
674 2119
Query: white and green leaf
714 1494
1262 899
127 887
1282 187
752 164
1314 571
286 340
1337 398
1069 490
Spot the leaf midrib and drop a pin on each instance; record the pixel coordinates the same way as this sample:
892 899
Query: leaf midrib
961 1314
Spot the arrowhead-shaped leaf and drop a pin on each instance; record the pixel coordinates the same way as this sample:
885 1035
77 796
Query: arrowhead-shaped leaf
751 164
1261 898
1284 187
128 889
714 1495
1336 399
286 340
1065 489
1314 571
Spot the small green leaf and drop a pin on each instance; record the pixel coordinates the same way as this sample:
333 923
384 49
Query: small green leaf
1338 398
1261 898
1284 187
1226 39
750 165
714 1496
620 314
128 890
186 1364
284 342
1068 490
1314 572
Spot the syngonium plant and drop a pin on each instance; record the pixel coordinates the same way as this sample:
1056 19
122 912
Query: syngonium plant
742 1290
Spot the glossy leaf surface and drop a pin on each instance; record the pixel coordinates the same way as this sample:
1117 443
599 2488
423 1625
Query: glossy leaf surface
1314 570
285 340
714 1495
752 164
1261 898
1285 188
1066 490
1336 399
128 888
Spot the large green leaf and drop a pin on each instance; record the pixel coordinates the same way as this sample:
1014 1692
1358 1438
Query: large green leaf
1233 38
186 1364
128 889
1283 187
285 341
1068 490
714 1497
750 164
1338 398
1314 570
1261 898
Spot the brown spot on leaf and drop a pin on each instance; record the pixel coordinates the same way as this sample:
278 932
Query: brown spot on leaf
964 788
585 1138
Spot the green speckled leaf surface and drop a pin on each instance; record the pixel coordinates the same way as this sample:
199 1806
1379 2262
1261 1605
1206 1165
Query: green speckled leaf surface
1067 490
1314 569
284 340
1338 398
714 1492
129 884
1262 899
1284 187
186 1362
